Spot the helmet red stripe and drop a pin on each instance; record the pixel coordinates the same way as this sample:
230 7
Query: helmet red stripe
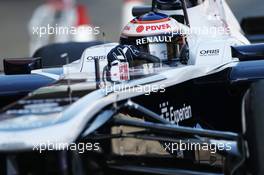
136 21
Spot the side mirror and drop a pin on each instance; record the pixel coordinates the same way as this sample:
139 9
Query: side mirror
253 28
21 65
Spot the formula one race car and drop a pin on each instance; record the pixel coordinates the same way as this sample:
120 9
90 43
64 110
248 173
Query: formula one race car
193 105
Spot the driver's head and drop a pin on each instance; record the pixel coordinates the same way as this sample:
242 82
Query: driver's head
156 34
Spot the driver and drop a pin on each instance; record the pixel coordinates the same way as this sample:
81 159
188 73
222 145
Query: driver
150 38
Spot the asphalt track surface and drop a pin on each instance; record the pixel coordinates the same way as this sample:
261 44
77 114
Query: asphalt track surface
15 14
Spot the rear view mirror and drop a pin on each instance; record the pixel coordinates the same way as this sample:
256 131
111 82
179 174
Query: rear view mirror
21 65
253 28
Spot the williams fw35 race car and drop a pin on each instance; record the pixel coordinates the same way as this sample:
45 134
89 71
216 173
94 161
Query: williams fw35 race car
182 93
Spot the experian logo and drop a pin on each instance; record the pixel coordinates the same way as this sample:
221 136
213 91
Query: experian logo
175 116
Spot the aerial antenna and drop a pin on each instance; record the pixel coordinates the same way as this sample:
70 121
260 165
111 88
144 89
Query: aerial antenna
104 41
184 8
97 66
97 73
105 53
153 5
69 91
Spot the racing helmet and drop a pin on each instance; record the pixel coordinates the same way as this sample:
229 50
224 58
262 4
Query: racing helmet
156 34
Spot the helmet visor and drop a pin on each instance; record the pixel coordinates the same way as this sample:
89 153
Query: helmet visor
166 51
159 50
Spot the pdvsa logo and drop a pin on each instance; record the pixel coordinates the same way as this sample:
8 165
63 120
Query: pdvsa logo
148 28
157 27
140 28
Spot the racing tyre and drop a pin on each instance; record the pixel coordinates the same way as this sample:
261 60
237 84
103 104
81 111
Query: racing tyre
253 127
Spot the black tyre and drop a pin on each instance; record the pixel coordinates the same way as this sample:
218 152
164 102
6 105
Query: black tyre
253 126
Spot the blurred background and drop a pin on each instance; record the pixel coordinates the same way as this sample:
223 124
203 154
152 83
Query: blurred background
16 14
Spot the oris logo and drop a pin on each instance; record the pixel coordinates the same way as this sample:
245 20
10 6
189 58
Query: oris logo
140 29
90 58
213 52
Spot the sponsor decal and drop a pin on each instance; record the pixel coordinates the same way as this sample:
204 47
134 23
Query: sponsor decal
175 116
154 39
148 28
120 72
213 52
157 27
140 29
124 71
102 57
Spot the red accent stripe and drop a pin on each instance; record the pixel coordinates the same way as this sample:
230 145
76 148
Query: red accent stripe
135 21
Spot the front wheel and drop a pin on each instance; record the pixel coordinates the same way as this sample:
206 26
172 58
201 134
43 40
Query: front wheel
253 127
